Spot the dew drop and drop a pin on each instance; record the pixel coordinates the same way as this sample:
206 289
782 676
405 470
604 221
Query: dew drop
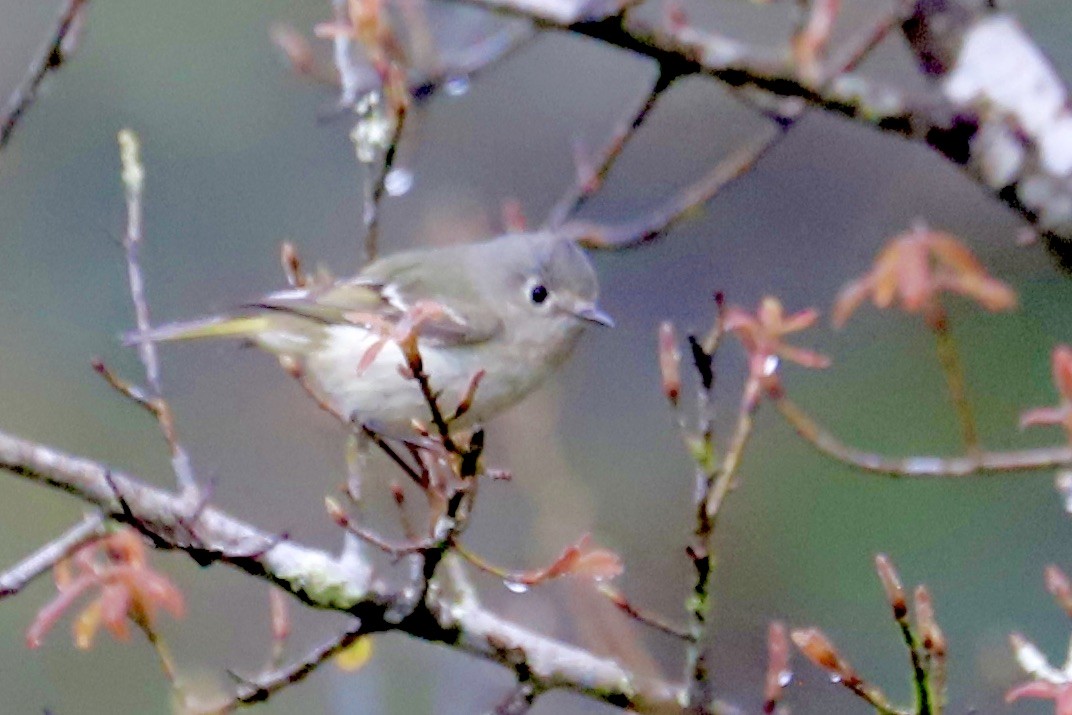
398 182
835 679
785 678
770 365
516 587
456 86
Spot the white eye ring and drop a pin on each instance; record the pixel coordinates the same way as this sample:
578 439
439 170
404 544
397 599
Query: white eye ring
537 294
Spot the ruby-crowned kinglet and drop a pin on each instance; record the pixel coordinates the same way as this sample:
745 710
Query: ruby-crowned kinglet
513 307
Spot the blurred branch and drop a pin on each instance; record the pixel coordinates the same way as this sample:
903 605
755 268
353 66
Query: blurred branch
256 690
982 112
722 174
467 63
18 576
326 581
658 222
343 55
918 466
377 187
592 171
133 176
925 643
652 620
55 53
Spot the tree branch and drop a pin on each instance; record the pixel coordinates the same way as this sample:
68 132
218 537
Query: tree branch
336 583
18 576
57 49
982 113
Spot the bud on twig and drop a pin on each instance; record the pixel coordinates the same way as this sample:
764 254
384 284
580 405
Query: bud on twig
891 582
466 402
280 615
292 266
778 673
670 362
817 648
1058 585
336 512
929 631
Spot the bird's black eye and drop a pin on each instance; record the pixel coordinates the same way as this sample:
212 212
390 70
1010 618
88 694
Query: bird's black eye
538 294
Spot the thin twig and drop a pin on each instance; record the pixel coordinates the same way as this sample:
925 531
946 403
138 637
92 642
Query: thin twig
415 364
953 369
640 615
709 503
654 225
343 55
54 54
591 177
732 460
297 371
918 466
18 576
259 689
133 176
163 653
324 580
279 614
340 517
375 190
702 447
919 673
729 169
865 44
467 63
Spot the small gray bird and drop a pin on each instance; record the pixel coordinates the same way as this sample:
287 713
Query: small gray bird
513 306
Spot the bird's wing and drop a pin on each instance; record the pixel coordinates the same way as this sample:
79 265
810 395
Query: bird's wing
373 303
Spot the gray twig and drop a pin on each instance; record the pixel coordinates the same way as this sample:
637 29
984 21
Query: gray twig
133 176
18 576
57 49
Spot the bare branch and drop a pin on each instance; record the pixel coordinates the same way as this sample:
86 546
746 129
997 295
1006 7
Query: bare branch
18 576
329 582
133 176
262 687
55 53
591 177
653 620
981 114
345 64
918 466
653 226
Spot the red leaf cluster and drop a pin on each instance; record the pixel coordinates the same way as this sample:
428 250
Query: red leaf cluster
129 590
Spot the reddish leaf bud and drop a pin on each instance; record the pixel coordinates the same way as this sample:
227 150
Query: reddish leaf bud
280 615
778 673
930 632
336 512
891 582
1060 587
670 362
817 648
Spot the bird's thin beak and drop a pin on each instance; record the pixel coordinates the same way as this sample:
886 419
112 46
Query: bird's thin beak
593 314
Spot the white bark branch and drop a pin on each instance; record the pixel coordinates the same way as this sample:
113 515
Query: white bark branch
337 583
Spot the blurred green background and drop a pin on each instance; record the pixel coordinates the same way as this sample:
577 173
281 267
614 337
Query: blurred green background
237 161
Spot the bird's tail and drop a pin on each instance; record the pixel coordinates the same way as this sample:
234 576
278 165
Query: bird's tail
222 326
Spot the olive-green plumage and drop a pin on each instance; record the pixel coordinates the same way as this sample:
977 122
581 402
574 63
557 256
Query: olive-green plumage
513 306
